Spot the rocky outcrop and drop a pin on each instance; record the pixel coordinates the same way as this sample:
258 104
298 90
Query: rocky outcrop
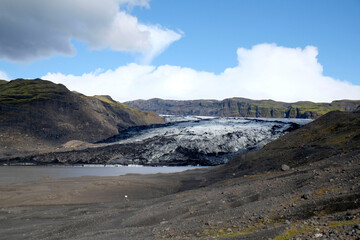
242 107
357 110
37 115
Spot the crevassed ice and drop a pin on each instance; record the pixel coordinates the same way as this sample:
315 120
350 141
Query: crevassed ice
207 136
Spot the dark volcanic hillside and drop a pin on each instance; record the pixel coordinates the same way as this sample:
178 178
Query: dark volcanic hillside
242 107
35 114
336 133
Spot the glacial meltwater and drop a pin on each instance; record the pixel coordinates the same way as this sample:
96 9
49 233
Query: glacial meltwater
16 174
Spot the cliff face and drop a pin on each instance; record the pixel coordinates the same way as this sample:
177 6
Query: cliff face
242 107
38 113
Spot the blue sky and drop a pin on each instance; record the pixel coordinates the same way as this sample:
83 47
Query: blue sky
206 36
214 29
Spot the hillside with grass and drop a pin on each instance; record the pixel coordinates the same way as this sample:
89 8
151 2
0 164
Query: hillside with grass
38 114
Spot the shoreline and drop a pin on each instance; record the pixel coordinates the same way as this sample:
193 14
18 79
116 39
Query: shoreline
20 174
96 165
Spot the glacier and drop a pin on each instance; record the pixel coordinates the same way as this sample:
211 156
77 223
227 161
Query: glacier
197 140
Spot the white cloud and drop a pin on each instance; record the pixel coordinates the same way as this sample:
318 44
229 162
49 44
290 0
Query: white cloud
160 38
133 3
265 71
4 76
39 29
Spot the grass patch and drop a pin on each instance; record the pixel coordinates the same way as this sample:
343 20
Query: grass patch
296 231
224 233
22 91
292 232
113 103
343 223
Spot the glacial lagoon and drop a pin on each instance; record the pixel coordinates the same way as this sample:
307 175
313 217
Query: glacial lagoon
15 174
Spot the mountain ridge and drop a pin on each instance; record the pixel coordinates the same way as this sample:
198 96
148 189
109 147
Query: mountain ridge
243 107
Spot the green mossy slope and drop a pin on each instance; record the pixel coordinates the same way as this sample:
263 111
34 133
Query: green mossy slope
22 91
38 113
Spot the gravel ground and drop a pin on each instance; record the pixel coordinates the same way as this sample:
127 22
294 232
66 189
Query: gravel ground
320 200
